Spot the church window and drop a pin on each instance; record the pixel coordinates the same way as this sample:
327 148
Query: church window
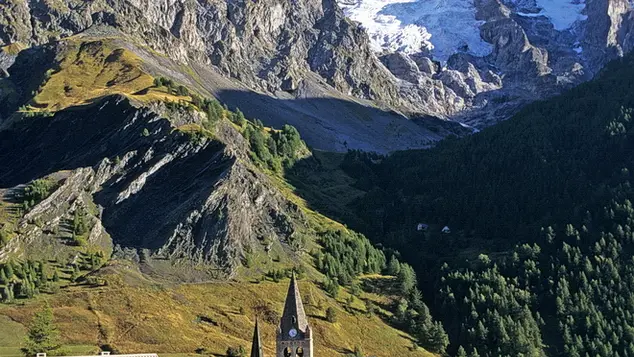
288 352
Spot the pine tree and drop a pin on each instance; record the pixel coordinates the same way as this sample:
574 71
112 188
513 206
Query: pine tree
461 352
331 315
3 277
7 294
393 267
406 279
239 118
236 351
182 91
43 336
79 223
43 271
74 274
438 340
8 271
332 287
94 264
416 300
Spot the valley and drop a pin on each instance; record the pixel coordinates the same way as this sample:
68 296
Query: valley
444 178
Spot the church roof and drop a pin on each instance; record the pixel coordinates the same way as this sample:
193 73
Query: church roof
256 347
294 315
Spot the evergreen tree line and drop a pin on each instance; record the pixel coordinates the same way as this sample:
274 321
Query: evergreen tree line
346 255
211 107
275 149
502 284
580 280
28 279
171 86
24 280
35 192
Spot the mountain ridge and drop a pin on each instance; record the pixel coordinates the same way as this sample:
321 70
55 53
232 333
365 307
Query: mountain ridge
312 51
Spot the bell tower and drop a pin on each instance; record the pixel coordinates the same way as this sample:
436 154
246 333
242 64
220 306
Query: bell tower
294 336
256 346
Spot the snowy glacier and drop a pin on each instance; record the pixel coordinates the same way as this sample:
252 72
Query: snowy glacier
561 13
443 27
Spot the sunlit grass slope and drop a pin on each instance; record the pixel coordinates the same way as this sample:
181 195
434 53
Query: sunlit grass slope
206 318
89 70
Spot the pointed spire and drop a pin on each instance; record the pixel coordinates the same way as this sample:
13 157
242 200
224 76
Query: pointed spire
294 315
256 346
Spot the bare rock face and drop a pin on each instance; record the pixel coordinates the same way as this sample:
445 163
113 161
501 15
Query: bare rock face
403 67
269 47
626 35
283 41
15 24
168 196
282 46
425 64
605 32
513 52
6 61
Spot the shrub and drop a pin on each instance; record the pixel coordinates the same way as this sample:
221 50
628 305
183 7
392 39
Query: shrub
236 351
331 315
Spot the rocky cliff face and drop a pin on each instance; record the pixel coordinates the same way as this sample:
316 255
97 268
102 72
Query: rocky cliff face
267 46
526 49
282 47
152 189
288 50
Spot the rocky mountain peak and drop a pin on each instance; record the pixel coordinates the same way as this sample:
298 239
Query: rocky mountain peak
535 48
399 55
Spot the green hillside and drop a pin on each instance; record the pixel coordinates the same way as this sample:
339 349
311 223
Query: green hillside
539 260
55 248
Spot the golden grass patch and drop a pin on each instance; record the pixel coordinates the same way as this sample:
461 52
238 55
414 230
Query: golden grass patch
88 71
214 316
13 49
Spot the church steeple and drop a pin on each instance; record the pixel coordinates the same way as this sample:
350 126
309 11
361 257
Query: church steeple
256 346
294 316
294 336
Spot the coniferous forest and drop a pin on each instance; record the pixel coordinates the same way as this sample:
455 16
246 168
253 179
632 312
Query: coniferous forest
540 257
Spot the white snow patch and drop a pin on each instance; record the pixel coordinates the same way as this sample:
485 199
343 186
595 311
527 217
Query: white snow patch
474 130
562 13
528 14
442 26
577 47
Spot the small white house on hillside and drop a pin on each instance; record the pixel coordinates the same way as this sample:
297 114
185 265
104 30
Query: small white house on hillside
446 230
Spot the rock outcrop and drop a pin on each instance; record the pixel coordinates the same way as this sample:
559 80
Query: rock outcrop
159 191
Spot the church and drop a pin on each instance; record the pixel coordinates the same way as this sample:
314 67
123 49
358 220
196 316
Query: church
294 336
